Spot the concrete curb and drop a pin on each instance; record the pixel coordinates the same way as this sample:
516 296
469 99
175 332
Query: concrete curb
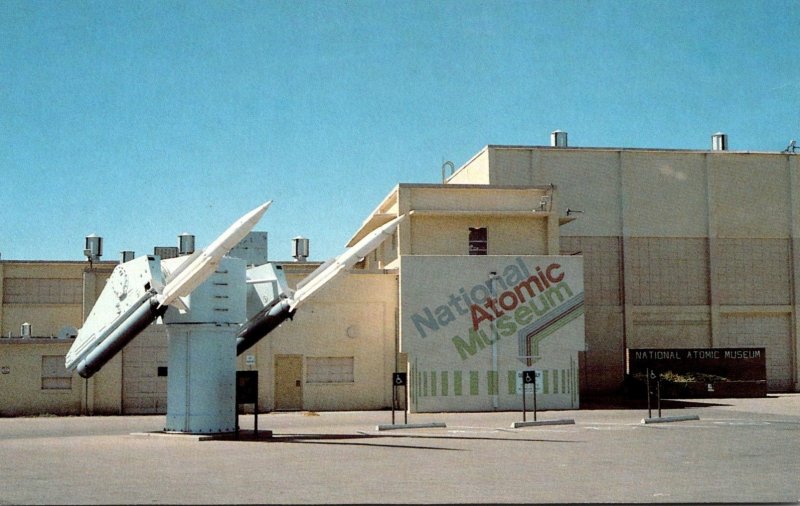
666 419
565 421
411 426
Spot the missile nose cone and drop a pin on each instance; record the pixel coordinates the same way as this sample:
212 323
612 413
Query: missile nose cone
258 212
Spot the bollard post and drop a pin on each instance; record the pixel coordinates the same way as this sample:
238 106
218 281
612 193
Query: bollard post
658 390
647 382
524 408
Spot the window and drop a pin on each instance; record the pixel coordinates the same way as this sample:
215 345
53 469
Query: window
42 291
478 243
329 370
54 373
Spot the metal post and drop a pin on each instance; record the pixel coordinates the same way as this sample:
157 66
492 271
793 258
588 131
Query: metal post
405 403
649 412
658 389
394 399
534 396
255 411
524 408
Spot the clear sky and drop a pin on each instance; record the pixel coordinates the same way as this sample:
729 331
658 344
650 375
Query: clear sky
140 120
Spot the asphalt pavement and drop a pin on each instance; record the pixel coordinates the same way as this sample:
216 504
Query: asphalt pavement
738 451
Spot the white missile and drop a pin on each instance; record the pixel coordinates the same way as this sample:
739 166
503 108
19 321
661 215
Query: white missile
197 269
346 260
130 300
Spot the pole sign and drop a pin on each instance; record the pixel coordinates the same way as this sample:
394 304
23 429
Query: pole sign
399 379
526 379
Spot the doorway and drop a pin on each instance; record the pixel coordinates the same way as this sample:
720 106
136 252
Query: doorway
288 382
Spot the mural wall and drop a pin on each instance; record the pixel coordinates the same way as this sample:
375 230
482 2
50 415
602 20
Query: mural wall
469 324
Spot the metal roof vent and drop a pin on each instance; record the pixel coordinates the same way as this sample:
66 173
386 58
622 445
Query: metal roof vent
25 330
300 249
127 256
719 142
165 252
558 139
93 249
185 244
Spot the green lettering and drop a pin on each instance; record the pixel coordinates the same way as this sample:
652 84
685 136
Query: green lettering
466 350
539 311
557 292
523 315
506 326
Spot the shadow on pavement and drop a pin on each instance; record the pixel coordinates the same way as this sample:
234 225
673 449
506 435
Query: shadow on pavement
623 402
372 439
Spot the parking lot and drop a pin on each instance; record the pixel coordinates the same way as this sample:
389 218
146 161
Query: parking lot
739 451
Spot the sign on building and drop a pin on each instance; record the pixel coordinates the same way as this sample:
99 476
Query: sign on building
470 323
703 372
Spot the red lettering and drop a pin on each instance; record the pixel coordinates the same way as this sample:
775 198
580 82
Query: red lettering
526 285
478 315
489 304
542 277
510 305
549 273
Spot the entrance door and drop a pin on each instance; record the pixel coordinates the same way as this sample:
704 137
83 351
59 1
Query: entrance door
288 382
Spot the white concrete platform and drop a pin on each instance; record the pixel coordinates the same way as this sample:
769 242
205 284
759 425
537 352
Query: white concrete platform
666 419
563 421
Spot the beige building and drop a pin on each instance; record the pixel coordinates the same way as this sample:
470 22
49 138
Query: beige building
676 249
341 348
43 303
682 249
483 295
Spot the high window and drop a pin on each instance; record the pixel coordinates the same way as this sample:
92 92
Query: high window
478 244
330 370
54 374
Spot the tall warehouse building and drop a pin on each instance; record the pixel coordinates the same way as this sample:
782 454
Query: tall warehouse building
682 248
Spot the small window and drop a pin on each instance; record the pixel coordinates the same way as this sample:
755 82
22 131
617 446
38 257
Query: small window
329 370
54 373
478 243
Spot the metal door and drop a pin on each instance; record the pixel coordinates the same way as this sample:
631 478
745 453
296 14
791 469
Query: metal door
288 382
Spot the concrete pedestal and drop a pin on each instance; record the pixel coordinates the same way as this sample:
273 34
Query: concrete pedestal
201 386
201 378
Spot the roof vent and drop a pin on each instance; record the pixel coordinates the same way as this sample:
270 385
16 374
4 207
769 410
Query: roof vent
719 142
300 249
558 139
165 252
127 256
93 249
185 244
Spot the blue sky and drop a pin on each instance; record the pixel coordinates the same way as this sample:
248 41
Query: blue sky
140 120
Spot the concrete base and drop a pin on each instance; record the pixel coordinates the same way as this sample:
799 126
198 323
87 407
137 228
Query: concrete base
411 426
565 421
665 419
